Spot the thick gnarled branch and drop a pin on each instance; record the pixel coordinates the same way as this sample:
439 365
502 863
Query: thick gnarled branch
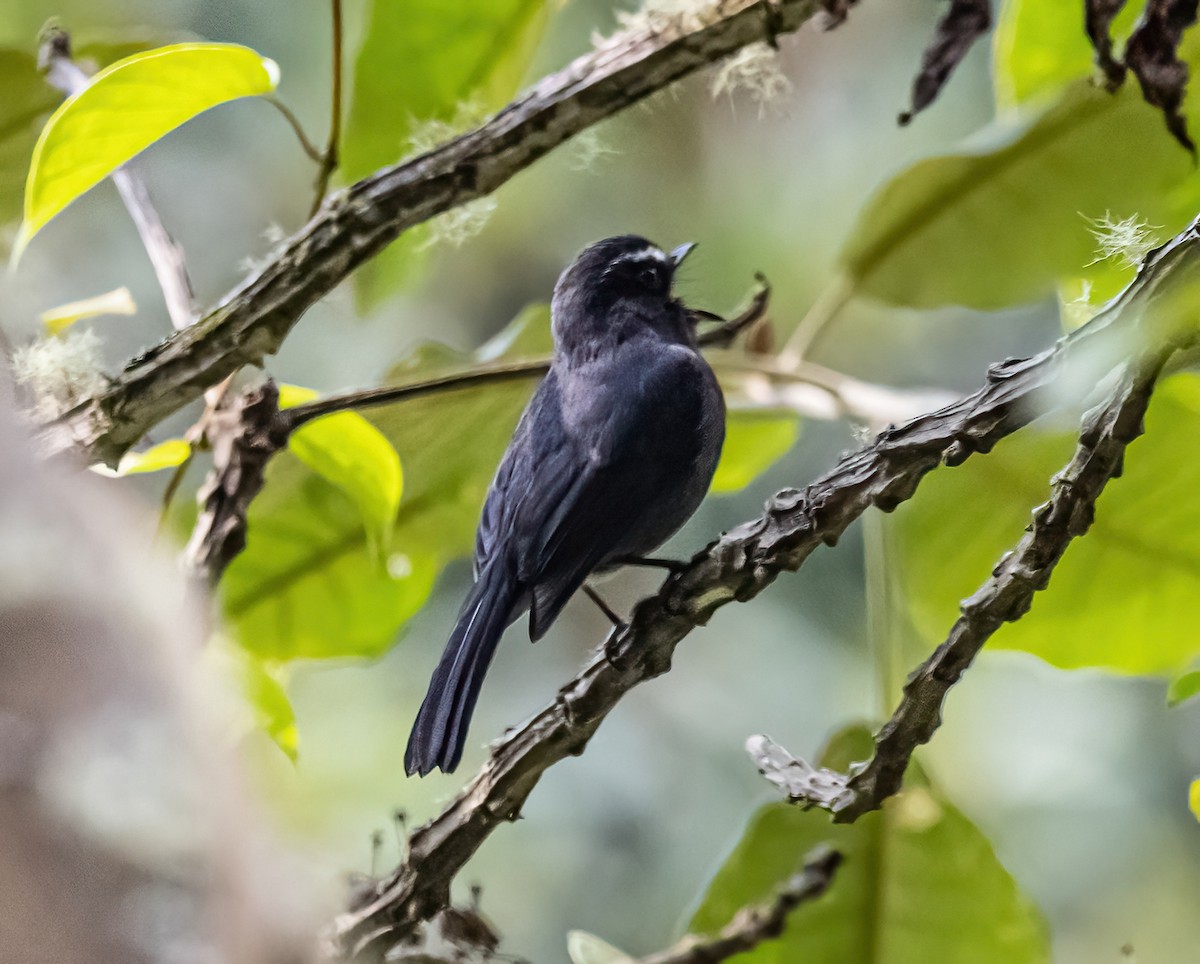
356 224
1106 431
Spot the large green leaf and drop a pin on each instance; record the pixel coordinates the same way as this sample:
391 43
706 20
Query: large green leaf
919 883
308 586
1123 597
349 452
998 225
423 66
1040 46
126 108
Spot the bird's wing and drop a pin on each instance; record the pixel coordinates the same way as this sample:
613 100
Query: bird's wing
608 480
522 481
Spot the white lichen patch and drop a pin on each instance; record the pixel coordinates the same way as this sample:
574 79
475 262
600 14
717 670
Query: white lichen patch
662 16
1126 241
589 150
425 135
755 72
60 372
460 224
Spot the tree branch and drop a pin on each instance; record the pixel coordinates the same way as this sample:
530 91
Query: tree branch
739 566
752 926
357 223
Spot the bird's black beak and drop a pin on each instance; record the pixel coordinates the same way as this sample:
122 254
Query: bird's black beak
680 253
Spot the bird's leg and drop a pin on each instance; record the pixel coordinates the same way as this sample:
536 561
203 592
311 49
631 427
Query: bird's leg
673 566
618 623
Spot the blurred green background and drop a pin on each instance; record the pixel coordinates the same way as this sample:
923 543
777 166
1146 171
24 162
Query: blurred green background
1077 778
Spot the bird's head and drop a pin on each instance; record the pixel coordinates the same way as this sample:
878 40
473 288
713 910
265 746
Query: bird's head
618 282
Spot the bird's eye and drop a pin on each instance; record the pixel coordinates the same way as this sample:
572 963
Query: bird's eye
649 278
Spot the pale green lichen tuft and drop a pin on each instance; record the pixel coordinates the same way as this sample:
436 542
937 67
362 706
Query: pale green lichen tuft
1125 241
754 71
60 372
458 225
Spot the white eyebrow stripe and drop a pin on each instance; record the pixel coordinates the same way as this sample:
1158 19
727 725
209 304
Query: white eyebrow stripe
646 254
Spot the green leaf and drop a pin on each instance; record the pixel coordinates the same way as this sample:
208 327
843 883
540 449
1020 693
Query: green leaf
1123 597
164 455
920 883
585 948
1194 798
1040 47
126 108
1183 688
754 441
116 302
307 585
999 225
349 452
426 70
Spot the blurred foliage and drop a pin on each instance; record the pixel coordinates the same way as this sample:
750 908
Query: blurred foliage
919 882
1040 46
754 440
1000 225
1183 688
26 101
430 70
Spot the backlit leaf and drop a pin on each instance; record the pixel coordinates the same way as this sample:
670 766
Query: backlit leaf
585 948
307 585
126 108
349 452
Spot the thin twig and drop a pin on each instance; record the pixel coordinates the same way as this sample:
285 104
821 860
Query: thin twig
309 148
755 925
329 160
62 73
356 224
816 322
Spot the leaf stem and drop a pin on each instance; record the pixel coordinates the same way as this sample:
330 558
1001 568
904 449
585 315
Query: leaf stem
329 160
313 152
813 325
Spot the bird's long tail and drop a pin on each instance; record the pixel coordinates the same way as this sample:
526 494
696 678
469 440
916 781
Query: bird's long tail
440 729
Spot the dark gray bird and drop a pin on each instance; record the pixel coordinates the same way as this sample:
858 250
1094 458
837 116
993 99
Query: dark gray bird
614 452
